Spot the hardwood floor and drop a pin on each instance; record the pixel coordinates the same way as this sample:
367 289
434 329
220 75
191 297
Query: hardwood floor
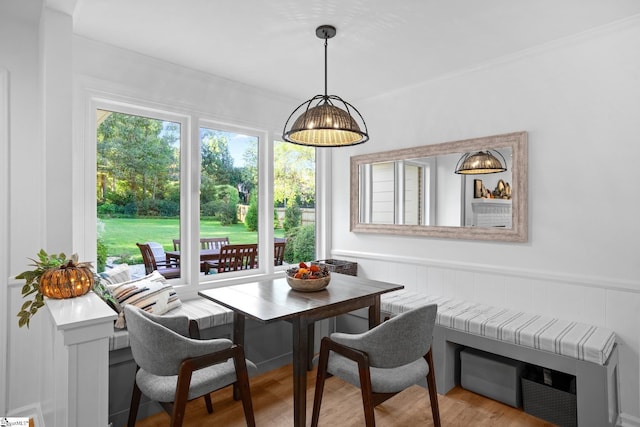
342 406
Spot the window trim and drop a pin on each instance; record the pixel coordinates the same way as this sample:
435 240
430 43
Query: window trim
85 211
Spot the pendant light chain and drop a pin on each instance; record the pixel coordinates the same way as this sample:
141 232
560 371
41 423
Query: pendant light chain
326 40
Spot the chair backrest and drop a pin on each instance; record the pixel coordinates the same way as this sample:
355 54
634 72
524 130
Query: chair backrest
157 348
278 253
176 244
158 252
398 341
213 242
147 257
237 257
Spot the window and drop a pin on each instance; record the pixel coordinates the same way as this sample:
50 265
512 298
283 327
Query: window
137 187
183 197
229 213
294 198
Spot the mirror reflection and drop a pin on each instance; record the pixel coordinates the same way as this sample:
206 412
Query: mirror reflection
426 191
435 190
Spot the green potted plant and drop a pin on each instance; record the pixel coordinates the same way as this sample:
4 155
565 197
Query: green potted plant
55 276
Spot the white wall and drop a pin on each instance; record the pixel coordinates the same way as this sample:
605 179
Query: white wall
579 100
19 56
51 201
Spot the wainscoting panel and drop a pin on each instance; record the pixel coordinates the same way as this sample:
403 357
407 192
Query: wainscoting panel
599 301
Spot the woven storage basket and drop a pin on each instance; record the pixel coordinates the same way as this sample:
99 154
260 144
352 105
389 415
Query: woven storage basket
339 266
550 404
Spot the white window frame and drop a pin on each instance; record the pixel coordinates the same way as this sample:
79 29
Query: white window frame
85 210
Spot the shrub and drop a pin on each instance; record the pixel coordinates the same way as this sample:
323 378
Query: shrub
292 217
304 243
224 206
288 249
251 218
208 209
168 208
130 209
107 209
226 213
227 193
101 255
276 223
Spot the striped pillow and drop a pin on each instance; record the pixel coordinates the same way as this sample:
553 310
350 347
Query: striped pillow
118 274
151 293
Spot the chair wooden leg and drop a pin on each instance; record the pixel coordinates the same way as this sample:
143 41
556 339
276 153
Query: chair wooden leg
321 376
135 403
433 393
207 401
182 395
367 396
242 386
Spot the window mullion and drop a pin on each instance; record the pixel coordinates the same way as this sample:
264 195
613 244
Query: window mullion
190 229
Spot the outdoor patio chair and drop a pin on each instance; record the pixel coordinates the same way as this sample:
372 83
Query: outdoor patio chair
382 361
174 369
152 264
235 257
158 251
278 252
213 242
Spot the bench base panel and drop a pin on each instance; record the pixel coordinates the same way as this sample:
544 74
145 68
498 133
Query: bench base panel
596 385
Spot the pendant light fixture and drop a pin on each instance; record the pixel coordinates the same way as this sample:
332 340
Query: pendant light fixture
326 120
482 162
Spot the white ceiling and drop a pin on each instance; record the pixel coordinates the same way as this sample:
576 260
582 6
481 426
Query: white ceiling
381 45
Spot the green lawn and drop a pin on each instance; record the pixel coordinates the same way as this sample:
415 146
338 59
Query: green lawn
121 234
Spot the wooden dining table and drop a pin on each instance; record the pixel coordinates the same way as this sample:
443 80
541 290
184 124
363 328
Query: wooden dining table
273 300
173 257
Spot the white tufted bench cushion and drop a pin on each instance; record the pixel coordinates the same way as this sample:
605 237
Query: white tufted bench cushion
205 312
578 340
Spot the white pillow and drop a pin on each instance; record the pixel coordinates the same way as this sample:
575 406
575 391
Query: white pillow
117 274
151 293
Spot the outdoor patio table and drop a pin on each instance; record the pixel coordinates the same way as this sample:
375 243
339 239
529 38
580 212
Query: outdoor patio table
272 300
205 255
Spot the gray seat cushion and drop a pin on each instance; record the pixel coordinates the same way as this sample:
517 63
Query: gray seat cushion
163 388
383 380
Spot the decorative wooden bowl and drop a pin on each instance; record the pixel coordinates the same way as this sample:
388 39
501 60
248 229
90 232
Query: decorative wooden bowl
308 285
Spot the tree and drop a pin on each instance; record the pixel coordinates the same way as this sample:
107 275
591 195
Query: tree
138 155
217 162
294 174
292 216
249 173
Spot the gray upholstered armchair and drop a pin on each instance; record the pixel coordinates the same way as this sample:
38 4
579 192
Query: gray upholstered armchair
382 361
173 369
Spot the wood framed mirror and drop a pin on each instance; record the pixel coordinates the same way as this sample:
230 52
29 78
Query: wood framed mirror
416 191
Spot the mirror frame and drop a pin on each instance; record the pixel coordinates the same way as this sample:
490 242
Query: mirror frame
518 143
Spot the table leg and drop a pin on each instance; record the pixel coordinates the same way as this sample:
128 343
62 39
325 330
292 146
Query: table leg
238 338
374 313
300 361
310 338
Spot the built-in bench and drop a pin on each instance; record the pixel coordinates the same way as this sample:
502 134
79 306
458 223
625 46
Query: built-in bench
588 352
